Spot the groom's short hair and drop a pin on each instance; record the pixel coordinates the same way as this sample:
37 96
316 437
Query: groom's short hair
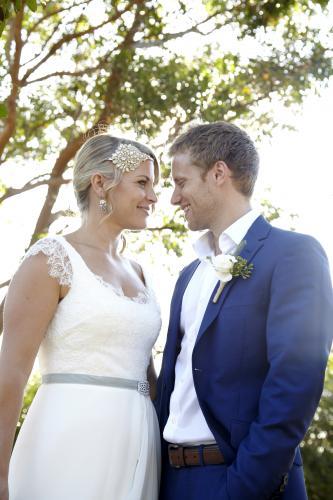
220 141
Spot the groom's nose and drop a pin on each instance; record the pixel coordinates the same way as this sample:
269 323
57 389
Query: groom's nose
175 198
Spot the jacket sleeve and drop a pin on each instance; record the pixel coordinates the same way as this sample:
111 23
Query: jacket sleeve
298 335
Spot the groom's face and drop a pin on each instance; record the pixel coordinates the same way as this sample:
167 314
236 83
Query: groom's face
193 193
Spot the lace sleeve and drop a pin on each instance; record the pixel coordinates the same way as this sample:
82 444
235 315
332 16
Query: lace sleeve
59 264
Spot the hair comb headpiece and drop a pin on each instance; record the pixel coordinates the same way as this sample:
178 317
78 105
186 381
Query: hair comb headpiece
127 157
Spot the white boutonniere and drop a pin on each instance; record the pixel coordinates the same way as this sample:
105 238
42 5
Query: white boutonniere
229 266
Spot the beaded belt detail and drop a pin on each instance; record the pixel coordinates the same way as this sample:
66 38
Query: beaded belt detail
144 388
79 378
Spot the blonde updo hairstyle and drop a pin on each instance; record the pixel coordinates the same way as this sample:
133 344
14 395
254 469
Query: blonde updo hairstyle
92 158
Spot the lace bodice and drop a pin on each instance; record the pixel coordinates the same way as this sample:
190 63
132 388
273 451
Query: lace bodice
58 261
95 330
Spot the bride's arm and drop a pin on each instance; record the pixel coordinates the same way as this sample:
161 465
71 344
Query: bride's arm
31 301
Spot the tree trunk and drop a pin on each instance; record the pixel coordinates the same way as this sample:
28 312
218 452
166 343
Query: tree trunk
10 125
60 165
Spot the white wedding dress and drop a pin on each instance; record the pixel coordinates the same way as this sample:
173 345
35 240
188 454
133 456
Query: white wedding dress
82 441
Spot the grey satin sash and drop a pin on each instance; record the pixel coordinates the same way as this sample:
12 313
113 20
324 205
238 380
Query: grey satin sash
80 378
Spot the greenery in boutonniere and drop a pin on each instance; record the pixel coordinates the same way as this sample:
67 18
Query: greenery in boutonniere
228 266
241 268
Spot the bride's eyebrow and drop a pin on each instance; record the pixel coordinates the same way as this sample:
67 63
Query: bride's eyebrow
142 175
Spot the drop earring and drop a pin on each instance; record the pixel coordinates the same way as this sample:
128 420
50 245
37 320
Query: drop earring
103 207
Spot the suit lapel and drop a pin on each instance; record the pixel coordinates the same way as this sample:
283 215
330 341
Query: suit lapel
254 239
174 337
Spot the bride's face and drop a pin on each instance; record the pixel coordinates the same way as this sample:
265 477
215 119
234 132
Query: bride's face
133 198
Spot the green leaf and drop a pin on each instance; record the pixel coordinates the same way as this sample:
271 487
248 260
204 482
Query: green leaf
29 394
17 5
32 4
3 109
3 188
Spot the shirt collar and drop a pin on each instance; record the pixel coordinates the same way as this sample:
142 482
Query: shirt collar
229 239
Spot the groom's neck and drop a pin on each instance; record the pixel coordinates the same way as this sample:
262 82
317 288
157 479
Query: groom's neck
228 214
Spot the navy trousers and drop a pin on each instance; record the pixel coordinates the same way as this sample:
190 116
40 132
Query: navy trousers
191 483
205 483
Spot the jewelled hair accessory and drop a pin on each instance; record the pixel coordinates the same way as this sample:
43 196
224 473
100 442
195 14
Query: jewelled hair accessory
127 157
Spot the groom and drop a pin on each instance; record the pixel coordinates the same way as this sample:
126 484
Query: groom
242 375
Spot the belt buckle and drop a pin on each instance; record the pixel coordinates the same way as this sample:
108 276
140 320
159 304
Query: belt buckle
173 447
144 388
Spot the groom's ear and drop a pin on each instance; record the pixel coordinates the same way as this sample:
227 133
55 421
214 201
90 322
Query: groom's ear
220 172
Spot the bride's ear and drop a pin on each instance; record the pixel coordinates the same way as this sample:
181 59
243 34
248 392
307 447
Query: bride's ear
97 181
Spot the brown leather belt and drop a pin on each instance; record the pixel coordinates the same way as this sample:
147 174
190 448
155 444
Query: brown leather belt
185 456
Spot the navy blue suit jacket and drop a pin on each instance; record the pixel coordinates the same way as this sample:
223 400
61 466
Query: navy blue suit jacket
259 359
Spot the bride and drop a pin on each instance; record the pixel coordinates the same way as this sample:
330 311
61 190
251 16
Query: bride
91 432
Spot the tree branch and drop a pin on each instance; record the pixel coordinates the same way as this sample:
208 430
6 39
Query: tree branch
51 14
61 213
173 132
117 71
75 117
5 283
34 183
73 36
174 229
85 71
9 41
53 187
65 39
171 36
53 32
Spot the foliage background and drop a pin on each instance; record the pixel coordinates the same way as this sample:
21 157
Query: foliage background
69 67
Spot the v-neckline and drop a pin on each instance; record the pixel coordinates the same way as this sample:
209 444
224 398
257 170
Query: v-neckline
144 294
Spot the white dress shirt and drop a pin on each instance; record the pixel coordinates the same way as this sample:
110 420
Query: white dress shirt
186 423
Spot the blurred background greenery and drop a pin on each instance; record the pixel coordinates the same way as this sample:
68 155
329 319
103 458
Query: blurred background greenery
69 68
